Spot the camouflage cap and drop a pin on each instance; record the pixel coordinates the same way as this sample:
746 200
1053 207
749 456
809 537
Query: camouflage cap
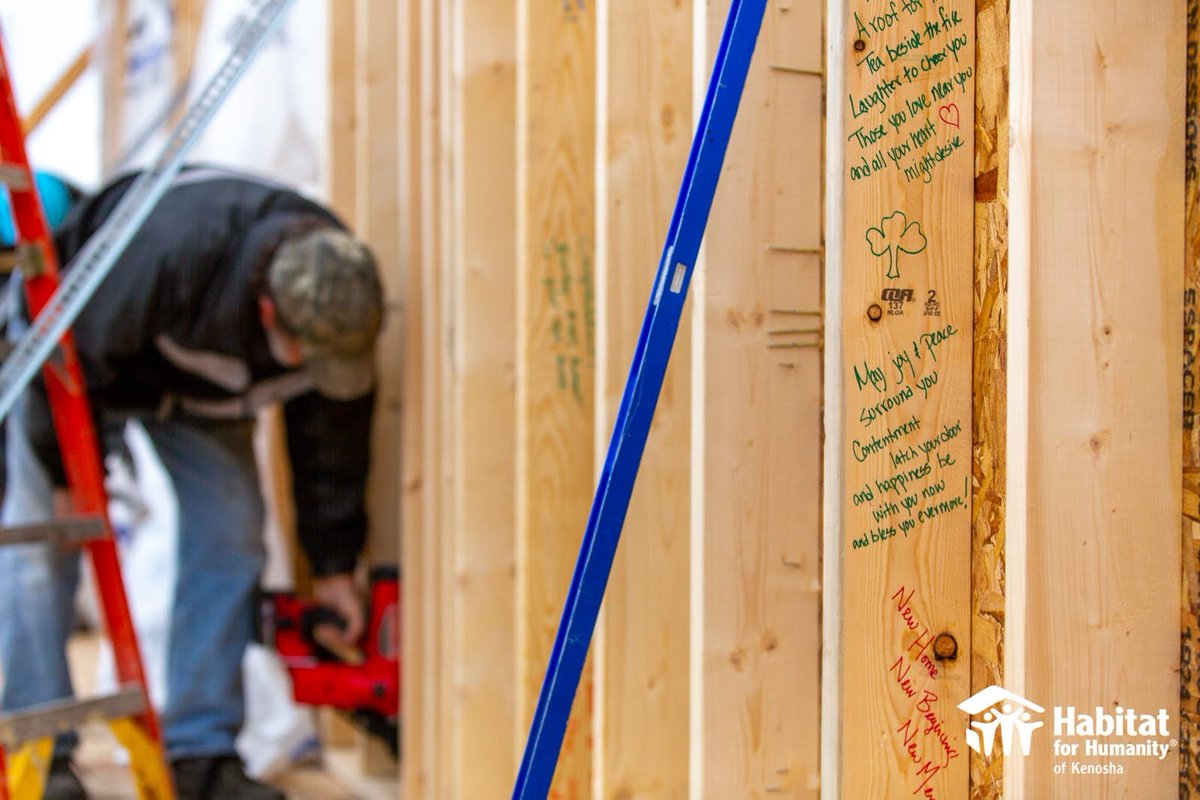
326 290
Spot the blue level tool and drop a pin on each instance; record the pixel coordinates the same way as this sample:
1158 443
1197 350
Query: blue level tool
639 400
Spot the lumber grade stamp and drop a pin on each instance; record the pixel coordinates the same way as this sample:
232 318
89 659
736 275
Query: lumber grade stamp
907 371
567 276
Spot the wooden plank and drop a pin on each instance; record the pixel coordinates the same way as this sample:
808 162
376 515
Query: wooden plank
114 24
642 644
1189 672
832 456
57 91
483 415
424 435
377 189
1095 440
907 319
188 17
990 373
274 465
757 433
335 729
289 569
421 454
340 179
341 164
556 345
441 376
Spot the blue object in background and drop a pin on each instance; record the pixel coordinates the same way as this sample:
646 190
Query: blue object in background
56 199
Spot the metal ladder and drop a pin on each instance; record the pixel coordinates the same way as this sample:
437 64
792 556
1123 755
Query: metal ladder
642 388
31 733
26 737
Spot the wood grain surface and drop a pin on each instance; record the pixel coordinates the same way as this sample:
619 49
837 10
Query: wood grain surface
556 111
641 646
907 374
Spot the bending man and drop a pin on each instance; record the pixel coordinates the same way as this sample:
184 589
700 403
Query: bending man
237 293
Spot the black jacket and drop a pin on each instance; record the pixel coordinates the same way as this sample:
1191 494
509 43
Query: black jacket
175 329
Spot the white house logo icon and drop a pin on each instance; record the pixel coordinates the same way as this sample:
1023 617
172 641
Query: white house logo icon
1004 710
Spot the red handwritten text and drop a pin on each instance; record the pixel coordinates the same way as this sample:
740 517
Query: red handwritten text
909 616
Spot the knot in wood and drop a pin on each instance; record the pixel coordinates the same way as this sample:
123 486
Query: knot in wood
945 647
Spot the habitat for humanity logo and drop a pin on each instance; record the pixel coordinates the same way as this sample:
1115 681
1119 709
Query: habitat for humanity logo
1002 711
1076 735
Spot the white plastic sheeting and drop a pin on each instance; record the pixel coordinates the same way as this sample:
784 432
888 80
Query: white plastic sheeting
150 80
144 515
275 121
42 39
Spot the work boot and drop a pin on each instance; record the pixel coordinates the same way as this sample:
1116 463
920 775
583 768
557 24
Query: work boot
62 783
218 778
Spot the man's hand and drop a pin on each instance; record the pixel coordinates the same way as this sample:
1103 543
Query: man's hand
339 593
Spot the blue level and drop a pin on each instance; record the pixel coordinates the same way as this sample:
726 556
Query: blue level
639 400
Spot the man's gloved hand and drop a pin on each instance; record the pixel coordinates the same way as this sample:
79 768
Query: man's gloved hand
339 593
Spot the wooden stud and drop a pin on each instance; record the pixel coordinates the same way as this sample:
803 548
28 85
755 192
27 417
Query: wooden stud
115 40
341 164
1094 341
440 377
832 455
756 551
189 16
340 181
275 473
335 729
907 238
482 655
641 725
420 454
275 466
990 374
377 190
556 346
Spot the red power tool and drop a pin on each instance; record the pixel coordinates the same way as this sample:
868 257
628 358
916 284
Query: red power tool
364 684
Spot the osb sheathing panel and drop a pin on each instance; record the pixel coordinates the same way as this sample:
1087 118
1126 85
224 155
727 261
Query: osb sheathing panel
991 320
1189 676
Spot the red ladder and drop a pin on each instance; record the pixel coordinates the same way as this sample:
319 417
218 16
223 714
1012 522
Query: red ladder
129 710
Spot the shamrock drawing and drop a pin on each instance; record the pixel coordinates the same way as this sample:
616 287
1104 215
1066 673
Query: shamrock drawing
896 235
